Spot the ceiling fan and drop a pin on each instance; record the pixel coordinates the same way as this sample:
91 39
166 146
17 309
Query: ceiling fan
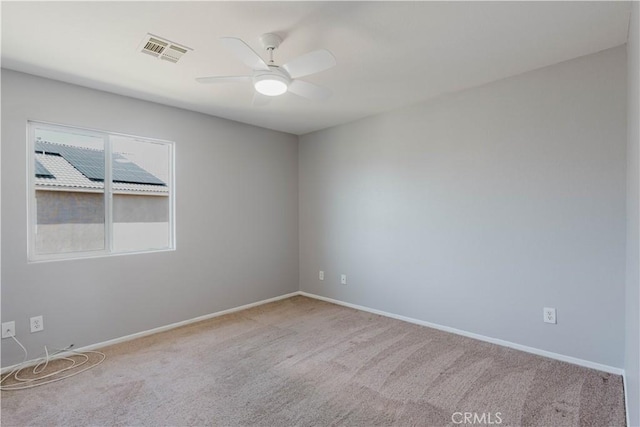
272 80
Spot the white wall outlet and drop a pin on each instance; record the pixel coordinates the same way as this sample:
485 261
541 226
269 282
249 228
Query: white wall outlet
343 279
321 275
549 315
9 329
37 324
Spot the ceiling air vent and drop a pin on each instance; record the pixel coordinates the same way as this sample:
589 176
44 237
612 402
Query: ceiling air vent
162 48
173 53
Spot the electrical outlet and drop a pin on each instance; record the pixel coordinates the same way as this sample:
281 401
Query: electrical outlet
321 275
37 324
9 329
343 279
549 315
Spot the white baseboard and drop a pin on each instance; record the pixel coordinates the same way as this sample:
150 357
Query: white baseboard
626 398
159 329
532 350
537 351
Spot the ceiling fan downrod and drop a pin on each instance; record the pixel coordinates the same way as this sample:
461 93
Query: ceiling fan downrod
270 42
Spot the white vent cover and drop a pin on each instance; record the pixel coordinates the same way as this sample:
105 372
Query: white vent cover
162 48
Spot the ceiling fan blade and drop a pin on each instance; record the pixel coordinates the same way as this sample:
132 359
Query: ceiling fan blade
309 90
310 63
244 53
260 100
224 79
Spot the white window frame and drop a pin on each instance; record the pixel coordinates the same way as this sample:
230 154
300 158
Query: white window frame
32 211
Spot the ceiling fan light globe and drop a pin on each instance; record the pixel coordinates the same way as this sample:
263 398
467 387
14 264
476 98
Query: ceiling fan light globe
271 85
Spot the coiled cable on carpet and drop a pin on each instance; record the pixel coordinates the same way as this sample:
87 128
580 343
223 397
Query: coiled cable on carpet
40 377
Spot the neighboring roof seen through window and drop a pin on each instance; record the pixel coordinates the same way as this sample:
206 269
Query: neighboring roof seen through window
90 163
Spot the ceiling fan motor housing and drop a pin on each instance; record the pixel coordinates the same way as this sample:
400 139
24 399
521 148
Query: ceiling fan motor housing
271 83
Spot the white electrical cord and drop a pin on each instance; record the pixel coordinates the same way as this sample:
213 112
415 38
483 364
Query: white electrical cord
42 363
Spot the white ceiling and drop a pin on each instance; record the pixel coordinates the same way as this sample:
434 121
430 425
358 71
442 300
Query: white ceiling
390 54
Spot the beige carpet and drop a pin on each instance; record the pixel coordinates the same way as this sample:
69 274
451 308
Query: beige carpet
304 362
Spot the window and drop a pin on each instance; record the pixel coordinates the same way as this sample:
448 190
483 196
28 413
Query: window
97 193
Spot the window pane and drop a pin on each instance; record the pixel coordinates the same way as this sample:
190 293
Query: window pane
69 192
141 194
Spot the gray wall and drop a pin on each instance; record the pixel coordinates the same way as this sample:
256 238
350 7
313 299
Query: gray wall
632 297
477 210
69 207
78 207
236 213
73 221
140 208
